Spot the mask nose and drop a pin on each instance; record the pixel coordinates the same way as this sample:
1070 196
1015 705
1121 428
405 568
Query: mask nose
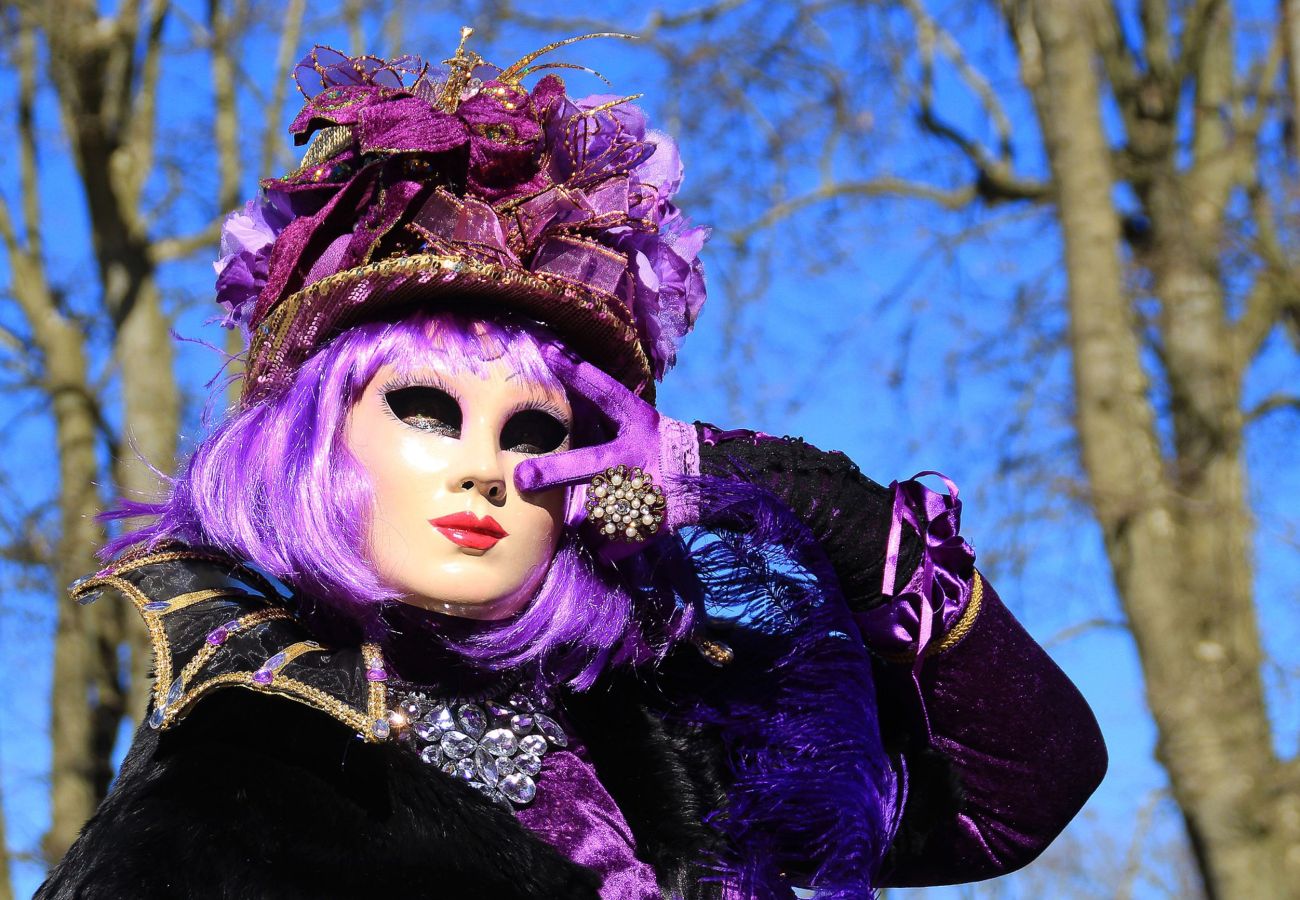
494 489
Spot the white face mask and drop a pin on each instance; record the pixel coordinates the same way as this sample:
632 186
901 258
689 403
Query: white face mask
449 531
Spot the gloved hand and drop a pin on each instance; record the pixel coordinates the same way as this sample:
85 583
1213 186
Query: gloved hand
624 507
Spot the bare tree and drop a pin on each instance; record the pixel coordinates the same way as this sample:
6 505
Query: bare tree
1158 220
103 72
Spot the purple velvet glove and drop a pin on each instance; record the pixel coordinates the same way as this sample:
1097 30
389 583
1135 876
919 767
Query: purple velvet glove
666 450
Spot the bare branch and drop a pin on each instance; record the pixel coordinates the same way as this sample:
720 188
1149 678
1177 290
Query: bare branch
272 144
955 198
28 178
930 35
143 114
170 249
1272 403
1291 30
225 121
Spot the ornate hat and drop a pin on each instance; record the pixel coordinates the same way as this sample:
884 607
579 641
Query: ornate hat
457 183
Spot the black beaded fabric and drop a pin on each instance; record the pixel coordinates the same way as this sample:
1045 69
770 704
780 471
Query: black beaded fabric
847 512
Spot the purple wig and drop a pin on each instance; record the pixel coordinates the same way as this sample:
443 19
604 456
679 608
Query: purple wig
275 485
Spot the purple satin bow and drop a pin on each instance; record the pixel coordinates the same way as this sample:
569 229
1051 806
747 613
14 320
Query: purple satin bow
937 593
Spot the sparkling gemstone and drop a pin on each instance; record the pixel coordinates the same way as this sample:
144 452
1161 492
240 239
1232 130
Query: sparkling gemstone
441 718
521 724
410 707
430 754
376 675
486 764
217 636
527 763
622 507
426 731
174 692
533 744
520 700
449 768
499 712
264 676
552 730
156 718
274 662
519 788
472 720
381 728
89 597
457 744
79 582
464 769
500 742
157 605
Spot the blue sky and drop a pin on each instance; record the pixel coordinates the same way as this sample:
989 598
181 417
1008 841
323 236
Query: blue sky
908 353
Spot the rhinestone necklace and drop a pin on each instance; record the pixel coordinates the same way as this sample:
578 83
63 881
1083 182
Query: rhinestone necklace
495 745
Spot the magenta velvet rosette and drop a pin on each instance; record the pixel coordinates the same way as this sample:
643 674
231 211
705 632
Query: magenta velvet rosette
460 182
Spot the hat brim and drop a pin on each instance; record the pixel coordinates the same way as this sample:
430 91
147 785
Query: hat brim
594 324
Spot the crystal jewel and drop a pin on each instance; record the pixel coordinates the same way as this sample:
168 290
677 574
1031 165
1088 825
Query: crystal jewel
457 744
496 746
441 718
551 728
473 721
500 742
519 788
534 744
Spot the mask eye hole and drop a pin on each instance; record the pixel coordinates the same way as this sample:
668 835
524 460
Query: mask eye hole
533 431
426 408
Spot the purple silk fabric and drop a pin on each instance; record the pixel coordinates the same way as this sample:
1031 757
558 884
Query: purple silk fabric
576 815
1020 737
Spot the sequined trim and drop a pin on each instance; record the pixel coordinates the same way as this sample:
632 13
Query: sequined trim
270 355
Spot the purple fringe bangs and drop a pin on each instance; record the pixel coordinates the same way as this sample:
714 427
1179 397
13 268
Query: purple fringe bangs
813 797
275 485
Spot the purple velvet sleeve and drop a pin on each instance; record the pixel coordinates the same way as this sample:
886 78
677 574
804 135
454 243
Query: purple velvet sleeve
1021 740
1019 750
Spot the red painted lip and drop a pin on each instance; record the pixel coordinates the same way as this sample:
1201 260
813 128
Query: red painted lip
468 530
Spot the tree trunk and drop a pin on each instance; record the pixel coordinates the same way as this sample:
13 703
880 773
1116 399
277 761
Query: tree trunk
1178 541
78 772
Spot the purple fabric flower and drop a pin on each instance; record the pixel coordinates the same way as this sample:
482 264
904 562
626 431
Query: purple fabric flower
246 239
669 287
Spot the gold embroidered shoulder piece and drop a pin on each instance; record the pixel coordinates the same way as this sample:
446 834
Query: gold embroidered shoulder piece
215 623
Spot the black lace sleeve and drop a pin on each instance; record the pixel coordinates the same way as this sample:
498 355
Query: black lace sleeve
846 511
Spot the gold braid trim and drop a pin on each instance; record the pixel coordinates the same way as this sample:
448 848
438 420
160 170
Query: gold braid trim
361 721
284 687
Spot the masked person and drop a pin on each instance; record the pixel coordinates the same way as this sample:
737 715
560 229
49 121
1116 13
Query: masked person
446 608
